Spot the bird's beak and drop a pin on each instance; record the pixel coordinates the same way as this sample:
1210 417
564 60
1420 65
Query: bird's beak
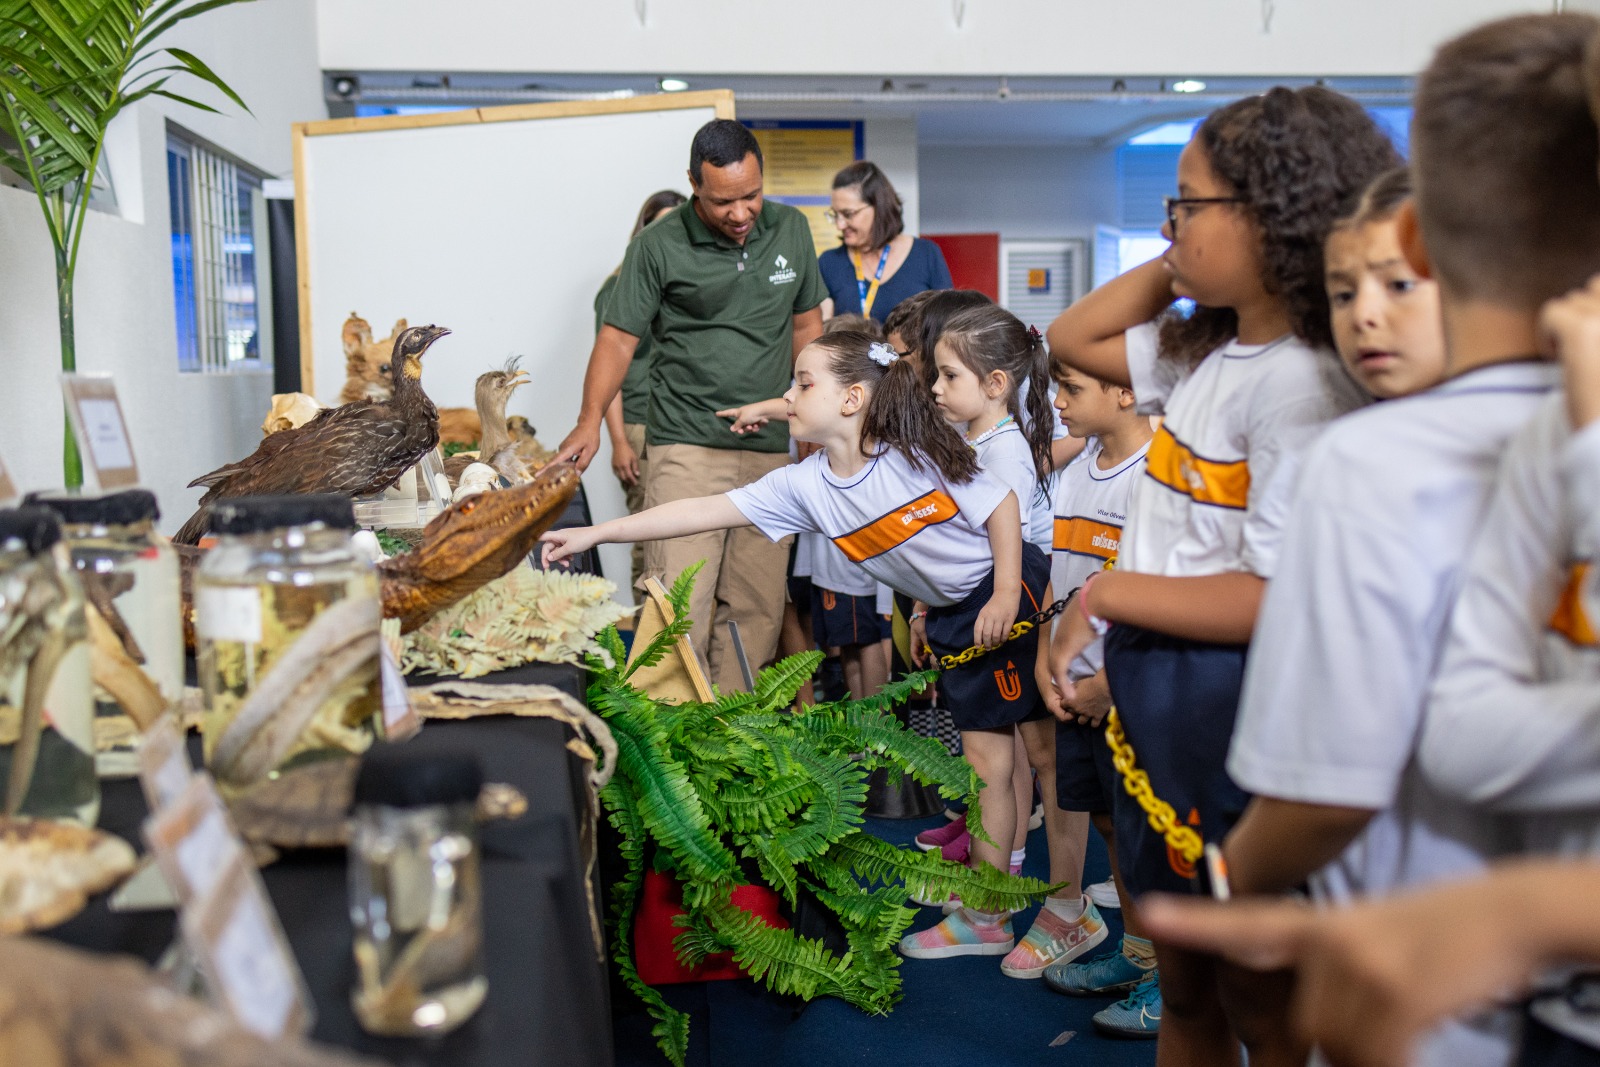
436 332
519 379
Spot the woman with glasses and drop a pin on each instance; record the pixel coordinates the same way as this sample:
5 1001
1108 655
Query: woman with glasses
877 264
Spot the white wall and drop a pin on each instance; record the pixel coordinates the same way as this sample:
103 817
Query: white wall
1019 191
894 37
182 424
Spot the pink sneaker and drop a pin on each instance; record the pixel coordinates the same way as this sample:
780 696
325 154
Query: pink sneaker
961 934
1053 939
951 839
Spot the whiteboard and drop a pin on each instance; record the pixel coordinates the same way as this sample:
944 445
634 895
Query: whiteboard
499 223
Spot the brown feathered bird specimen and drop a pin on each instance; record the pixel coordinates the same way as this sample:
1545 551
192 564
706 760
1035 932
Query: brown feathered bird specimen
355 449
491 393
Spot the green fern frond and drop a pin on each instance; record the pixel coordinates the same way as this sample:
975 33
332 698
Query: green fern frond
668 802
682 587
927 875
784 961
777 685
610 640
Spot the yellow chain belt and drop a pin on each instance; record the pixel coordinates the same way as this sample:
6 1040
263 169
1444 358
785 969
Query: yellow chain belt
1182 839
1018 629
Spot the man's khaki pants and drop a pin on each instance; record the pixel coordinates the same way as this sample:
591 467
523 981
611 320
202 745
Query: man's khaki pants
743 577
633 494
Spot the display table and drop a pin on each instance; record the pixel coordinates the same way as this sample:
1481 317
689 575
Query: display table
548 999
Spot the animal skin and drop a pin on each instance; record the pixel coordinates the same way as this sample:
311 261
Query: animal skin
473 542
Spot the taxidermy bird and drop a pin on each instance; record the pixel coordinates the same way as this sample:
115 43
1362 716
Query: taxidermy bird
496 447
355 449
368 377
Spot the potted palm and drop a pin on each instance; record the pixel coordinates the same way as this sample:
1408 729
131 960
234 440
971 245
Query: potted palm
67 68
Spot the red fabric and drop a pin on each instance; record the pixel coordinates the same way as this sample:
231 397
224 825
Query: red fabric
974 260
661 901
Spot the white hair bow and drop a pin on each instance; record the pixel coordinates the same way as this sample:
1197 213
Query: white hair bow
881 354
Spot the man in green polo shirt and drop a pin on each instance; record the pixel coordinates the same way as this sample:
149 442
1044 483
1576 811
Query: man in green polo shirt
727 288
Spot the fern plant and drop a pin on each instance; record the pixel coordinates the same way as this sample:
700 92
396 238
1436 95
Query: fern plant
708 790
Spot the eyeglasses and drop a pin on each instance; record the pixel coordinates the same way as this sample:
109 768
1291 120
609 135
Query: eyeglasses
1173 203
845 216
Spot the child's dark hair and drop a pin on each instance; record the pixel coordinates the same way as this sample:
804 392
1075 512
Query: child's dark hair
1378 202
941 307
900 412
989 338
1505 152
1295 157
905 318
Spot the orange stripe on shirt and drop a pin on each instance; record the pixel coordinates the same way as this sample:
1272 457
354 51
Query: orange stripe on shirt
1205 481
1086 537
1570 620
897 527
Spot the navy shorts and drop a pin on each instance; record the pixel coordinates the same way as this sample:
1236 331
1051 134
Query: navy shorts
997 689
1545 1047
1085 777
839 619
1177 700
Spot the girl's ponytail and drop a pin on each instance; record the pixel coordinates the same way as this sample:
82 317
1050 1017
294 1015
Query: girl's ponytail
1041 413
900 412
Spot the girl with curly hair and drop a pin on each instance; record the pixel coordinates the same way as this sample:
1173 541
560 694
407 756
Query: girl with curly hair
1244 381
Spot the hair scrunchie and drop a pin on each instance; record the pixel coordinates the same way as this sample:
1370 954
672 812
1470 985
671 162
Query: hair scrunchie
881 354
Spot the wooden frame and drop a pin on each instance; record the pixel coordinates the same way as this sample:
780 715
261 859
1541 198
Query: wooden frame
719 100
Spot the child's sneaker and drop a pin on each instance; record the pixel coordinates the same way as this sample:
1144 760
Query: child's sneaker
1110 973
951 839
1052 940
960 934
1139 1016
1104 894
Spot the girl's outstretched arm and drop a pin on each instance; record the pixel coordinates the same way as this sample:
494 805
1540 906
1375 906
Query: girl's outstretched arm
754 416
1221 608
1005 542
1088 335
674 519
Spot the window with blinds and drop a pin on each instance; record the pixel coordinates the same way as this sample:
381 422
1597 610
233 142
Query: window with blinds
219 276
1040 278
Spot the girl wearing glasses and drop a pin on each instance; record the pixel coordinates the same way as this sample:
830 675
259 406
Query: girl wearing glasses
1244 383
877 264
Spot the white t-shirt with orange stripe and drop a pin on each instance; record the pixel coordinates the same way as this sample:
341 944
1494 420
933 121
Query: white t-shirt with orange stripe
1005 455
1219 471
910 529
1091 508
1513 720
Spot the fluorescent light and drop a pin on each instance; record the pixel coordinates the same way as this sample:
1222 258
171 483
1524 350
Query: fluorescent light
672 85
1189 85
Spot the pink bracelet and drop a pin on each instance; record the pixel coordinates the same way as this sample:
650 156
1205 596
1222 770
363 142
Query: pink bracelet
1096 623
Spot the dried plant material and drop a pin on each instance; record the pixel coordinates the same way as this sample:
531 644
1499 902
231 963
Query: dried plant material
61 1005
49 870
527 616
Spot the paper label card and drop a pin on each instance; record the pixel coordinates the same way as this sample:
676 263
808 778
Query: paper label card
193 840
234 934
400 720
164 769
8 488
101 431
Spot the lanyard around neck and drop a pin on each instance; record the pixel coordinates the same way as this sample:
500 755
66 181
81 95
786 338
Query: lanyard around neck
869 293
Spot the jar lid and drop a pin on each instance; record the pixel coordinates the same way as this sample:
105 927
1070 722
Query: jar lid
396 776
111 509
37 528
255 514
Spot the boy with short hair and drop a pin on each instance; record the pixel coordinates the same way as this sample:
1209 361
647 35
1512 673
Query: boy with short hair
1091 502
1390 498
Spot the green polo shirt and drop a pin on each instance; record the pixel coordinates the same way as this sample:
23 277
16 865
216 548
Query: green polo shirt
722 318
636 386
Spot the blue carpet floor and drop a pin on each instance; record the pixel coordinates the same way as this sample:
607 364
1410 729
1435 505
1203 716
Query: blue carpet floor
959 1012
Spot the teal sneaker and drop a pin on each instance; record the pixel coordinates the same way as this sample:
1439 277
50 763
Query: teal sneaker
1113 972
1139 1016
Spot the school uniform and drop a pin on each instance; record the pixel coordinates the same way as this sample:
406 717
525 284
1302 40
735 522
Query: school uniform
1512 729
925 537
1208 503
1351 630
844 599
1091 508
